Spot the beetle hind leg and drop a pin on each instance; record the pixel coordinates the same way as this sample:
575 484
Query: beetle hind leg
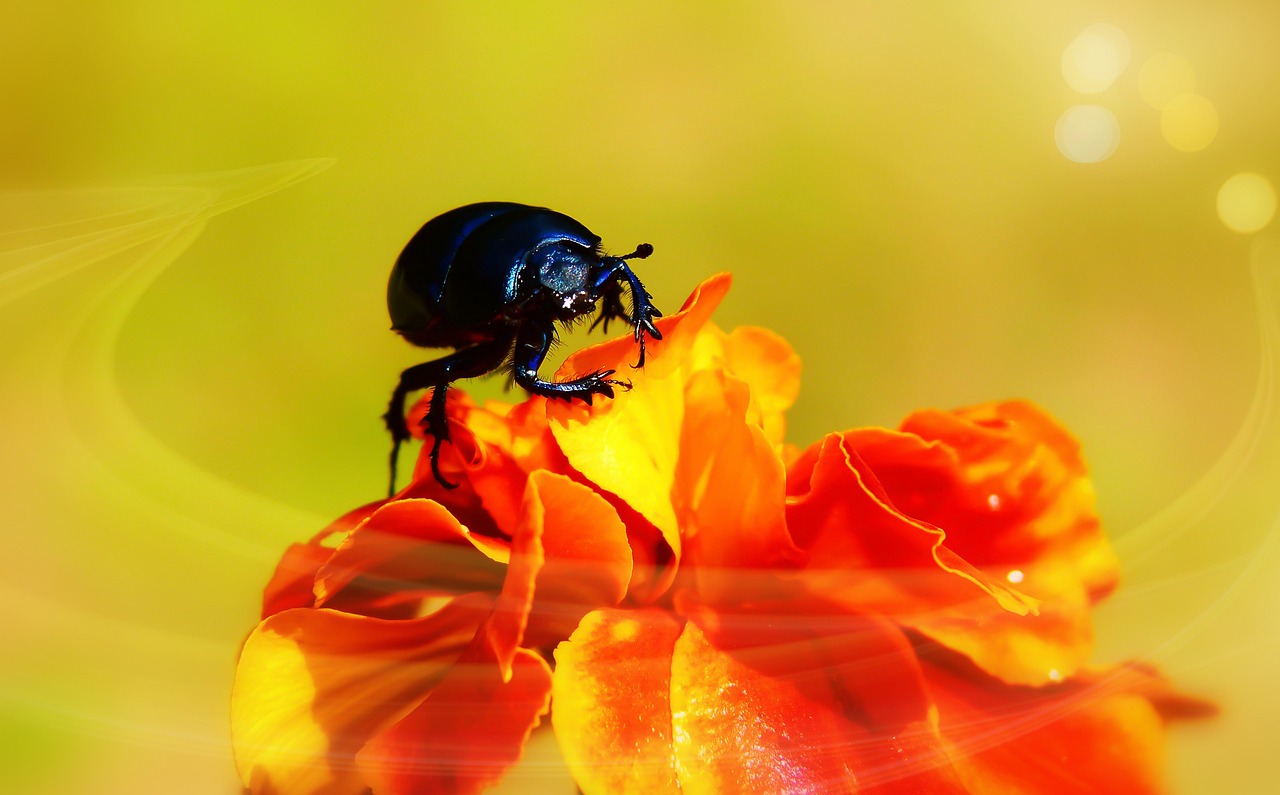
436 423
438 375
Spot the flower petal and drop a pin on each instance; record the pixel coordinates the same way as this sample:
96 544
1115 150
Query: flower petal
489 480
826 704
629 445
569 556
762 359
729 493
611 712
292 583
312 686
1090 735
1015 490
466 733
772 715
406 549
1008 486
587 558
867 554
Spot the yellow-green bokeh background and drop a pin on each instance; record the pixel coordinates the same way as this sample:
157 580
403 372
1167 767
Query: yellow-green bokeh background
881 178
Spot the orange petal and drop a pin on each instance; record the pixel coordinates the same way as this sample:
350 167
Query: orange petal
1076 737
587 558
654 566
312 686
863 657
569 555
491 453
729 494
611 712
294 578
772 715
776 710
761 359
503 632
1032 649
1015 489
1010 490
867 554
629 445
408 546
496 447
489 482
467 733
463 502
521 431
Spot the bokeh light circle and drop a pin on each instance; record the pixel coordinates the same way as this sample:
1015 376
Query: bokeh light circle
1246 202
1163 77
1189 122
1095 58
1087 133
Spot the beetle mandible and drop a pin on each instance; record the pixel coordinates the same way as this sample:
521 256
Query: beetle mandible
492 280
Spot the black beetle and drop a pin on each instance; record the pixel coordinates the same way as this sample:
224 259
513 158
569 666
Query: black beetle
492 280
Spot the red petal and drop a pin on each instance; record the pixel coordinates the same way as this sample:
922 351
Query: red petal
867 554
467 733
1091 735
1008 486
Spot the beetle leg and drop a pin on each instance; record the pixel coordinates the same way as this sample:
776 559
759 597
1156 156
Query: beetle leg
532 343
611 307
643 312
437 375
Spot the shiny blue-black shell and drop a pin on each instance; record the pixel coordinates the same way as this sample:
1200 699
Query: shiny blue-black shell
460 274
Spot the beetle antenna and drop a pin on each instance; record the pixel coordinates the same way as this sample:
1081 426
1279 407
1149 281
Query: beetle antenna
642 251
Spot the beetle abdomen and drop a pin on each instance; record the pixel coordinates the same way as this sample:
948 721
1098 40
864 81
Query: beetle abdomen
417 280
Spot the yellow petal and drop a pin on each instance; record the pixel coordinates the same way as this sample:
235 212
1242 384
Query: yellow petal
629 445
313 686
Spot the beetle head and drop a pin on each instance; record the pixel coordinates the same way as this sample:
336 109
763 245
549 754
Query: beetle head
564 269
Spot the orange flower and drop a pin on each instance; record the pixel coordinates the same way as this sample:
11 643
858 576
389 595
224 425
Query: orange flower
702 608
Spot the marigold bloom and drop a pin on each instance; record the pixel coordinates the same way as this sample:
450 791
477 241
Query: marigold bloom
702 608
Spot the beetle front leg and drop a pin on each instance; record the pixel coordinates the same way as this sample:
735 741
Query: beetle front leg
532 343
437 376
643 313
611 307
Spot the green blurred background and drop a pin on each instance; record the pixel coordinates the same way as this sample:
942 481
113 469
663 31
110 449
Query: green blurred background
194 366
